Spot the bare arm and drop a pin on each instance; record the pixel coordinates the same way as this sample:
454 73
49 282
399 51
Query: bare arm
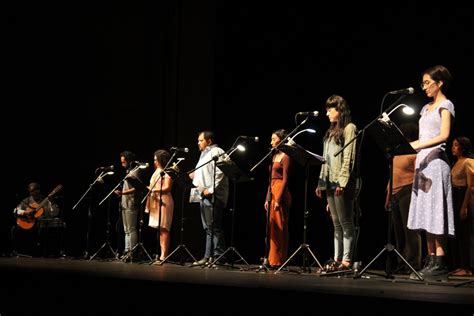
441 138
166 185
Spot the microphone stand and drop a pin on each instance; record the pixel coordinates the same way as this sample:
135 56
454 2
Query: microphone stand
107 241
389 138
268 199
99 178
89 213
271 152
281 142
184 182
161 262
118 184
216 260
232 171
141 220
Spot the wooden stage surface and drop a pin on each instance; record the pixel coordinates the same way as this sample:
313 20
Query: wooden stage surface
76 286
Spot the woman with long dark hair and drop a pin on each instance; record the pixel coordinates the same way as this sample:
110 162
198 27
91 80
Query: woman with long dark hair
337 178
278 203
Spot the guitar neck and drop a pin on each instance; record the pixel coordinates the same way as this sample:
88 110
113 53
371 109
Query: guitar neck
45 200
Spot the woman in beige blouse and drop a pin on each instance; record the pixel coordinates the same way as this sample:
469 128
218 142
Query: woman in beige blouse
161 216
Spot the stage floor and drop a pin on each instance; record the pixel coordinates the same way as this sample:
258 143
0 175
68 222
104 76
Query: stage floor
78 286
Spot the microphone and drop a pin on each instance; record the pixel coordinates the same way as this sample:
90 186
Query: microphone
106 168
314 113
403 91
178 149
254 138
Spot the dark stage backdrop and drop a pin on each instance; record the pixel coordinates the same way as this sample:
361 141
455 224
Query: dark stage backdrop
84 84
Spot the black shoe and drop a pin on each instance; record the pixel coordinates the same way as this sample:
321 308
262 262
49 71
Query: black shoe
201 262
439 270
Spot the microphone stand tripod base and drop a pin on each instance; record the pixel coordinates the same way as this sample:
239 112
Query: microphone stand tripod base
264 266
215 263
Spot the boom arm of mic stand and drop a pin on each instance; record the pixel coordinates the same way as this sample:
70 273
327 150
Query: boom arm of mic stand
112 191
281 142
394 104
270 152
290 134
88 189
157 179
368 125
149 190
203 164
214 158
118 184
350 142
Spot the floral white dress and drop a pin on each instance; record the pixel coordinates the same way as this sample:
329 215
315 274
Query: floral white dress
431 206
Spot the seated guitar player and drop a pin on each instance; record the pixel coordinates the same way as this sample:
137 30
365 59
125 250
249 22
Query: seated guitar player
37 217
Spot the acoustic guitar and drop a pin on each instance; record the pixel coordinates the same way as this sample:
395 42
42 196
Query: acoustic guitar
34 211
